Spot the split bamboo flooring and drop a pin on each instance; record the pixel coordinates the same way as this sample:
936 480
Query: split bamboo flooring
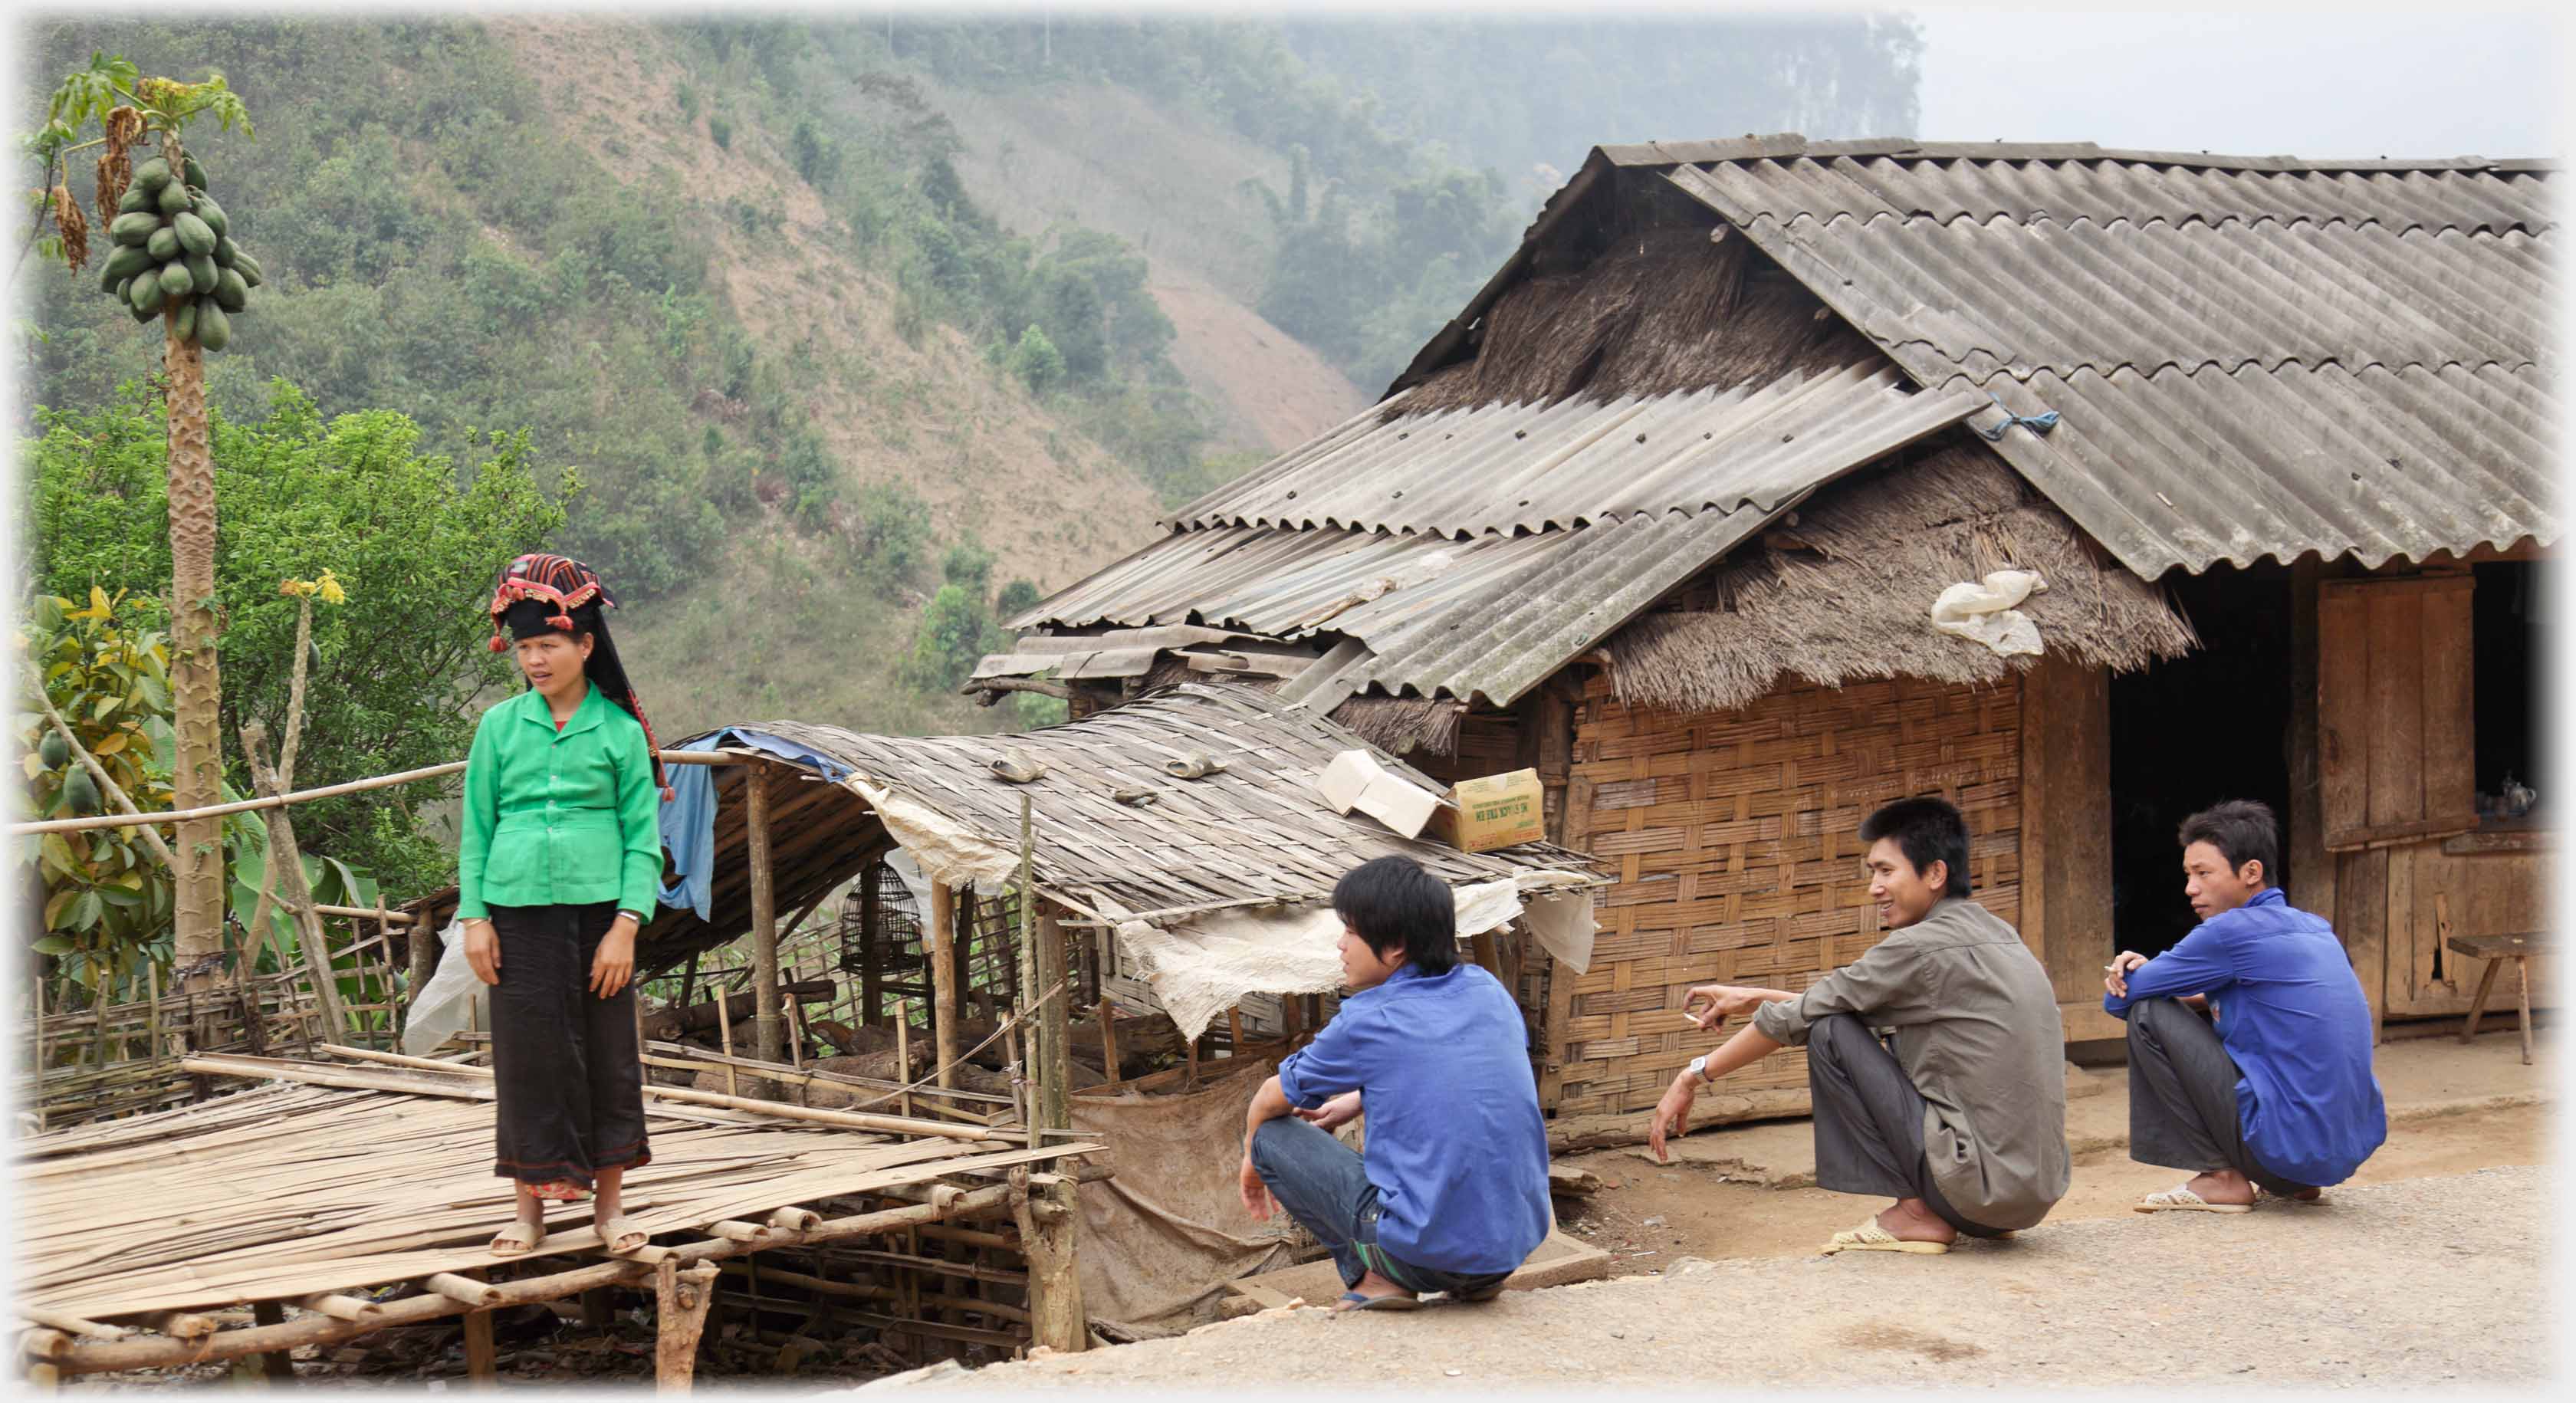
289 1190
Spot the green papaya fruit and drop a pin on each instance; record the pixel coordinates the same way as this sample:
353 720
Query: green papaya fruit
152 175
231 293
118 291
80 792
248 267
133 228
108 277
195 174
193 234
135 199
173 198
201 272
163 245
207 210
175 281
184 320
127 260
225 251
53 750
145 292
214 329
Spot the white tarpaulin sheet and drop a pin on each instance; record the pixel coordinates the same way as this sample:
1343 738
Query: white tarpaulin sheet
1201 967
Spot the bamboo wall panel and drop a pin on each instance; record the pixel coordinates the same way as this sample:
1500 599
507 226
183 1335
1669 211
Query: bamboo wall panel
1734 837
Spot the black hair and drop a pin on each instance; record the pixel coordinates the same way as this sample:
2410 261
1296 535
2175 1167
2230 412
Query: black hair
2243 831
1394 901
1927 830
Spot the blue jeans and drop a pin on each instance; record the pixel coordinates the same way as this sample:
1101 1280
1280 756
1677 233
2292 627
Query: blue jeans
1324 1186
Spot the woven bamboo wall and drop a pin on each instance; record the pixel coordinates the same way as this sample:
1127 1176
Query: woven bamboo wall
1734 840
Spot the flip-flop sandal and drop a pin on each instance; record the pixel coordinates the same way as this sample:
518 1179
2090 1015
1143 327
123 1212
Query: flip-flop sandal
521 1236
1479 1297
612 1230
2180 1199
1870 1237
2264 1195
1357 1302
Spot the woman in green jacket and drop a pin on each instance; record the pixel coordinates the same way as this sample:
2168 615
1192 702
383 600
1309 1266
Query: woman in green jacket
560 863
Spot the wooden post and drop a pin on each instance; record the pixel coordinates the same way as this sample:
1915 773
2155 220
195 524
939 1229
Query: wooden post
724 1035
770 1032
688 981
903 1053
1050 1222
596 1310
277 1364
479 1355
681 1299
1108 1016
871 959
943 979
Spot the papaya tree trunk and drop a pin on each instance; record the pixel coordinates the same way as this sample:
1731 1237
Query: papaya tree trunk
196 690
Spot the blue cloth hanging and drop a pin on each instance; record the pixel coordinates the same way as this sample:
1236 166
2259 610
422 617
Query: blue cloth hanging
688 822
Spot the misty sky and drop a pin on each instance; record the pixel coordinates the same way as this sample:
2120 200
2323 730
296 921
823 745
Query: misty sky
2431 81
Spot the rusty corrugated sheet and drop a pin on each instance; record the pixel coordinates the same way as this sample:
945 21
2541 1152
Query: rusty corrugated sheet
2251 357
1533 467
1493 616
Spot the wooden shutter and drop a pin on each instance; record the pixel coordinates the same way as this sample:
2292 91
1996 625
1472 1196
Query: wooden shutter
2395 743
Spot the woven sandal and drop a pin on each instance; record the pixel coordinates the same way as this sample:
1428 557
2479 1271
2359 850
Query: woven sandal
2180 1199
1870 1237
521 1236
613 1231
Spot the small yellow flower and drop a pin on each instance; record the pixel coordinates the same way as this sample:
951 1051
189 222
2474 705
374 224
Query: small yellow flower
329 585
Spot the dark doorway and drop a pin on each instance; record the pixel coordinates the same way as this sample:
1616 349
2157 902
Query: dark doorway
2212 725
2507 654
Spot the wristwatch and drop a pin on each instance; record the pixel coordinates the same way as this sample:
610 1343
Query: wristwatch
1699 1068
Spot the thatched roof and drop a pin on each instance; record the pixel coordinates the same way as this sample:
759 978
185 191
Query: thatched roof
1846 592
1660 311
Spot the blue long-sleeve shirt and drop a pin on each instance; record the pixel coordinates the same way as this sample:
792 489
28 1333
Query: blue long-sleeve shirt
1456 1144
2294 1019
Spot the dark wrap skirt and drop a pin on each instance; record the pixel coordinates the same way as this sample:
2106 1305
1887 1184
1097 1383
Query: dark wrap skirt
564 1061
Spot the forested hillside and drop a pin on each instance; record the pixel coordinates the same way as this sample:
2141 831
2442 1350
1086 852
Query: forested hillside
828 342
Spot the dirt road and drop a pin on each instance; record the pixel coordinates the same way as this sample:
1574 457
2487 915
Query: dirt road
2425 1282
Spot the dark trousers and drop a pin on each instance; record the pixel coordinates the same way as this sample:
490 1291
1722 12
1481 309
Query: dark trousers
571 1092
2182 1096
1324 1186
1869 1120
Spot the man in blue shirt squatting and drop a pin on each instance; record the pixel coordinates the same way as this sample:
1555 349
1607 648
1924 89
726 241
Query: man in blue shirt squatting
1452 1195
2279 1094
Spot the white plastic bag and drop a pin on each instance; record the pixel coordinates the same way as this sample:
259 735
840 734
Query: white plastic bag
1985 612
443 1003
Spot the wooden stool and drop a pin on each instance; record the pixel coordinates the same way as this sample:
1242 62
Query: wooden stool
2495 950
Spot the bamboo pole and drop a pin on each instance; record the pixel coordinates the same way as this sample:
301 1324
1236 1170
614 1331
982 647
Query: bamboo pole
724 1035
941 957
769 1035
903 1052
332 791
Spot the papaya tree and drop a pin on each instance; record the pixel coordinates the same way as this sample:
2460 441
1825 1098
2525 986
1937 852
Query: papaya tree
174 262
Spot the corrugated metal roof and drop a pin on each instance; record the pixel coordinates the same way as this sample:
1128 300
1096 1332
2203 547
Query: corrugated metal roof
1493 616
2238 359
1532 467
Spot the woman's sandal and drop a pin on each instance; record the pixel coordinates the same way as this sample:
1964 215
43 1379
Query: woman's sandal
521 1236
1353 1301
613 1231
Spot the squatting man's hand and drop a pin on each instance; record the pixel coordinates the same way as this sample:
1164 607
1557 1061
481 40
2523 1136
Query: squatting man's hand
2117 972
1724 1001
1256 1194
1672 1114
1334 1114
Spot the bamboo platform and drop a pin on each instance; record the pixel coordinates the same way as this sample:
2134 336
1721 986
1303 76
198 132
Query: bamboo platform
338 1179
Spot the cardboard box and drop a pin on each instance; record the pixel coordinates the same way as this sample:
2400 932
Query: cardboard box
1354 781
1497 811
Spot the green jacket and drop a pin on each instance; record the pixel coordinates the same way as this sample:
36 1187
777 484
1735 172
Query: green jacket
559 817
